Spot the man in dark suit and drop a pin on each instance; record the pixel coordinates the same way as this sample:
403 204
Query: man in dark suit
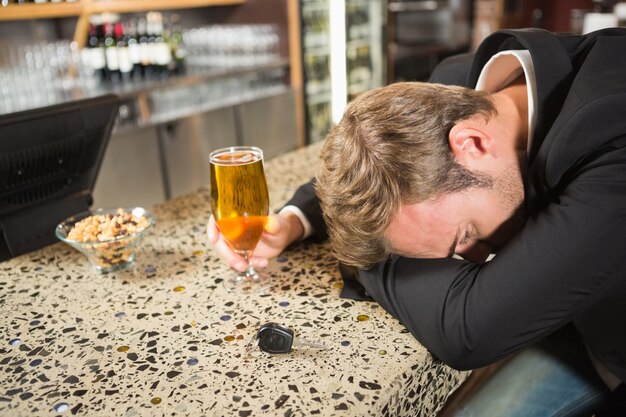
421 184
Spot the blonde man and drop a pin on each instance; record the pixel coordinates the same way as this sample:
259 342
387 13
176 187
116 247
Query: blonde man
421 184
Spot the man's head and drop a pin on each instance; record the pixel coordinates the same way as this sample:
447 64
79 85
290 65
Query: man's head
392 154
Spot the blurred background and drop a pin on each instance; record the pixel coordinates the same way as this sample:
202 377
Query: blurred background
196 75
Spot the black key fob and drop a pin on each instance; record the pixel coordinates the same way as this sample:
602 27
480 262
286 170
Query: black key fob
274 338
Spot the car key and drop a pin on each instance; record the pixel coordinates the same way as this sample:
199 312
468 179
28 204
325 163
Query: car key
275 338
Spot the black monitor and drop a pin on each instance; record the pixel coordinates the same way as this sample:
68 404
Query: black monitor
49 161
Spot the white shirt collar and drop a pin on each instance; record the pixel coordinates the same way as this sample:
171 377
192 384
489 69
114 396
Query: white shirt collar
502 69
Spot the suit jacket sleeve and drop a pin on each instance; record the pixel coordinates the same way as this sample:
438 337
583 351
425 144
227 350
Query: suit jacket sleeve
568 259
453 70
306 200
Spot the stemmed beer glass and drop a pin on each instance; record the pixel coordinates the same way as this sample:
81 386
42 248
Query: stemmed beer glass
240 205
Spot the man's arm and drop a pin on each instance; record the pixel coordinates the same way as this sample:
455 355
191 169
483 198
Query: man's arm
566 260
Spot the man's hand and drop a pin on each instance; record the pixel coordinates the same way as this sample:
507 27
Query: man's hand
280 231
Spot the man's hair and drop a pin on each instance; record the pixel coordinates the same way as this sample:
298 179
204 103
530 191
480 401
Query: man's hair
391 148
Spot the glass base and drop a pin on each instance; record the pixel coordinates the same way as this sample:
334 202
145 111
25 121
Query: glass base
248 282
106 267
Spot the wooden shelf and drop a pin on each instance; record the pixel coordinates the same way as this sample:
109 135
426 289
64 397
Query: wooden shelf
88 7
40 11
130 6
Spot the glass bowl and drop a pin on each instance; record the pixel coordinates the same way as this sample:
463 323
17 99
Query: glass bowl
109 245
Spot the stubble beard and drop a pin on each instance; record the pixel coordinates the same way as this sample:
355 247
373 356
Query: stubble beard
509 188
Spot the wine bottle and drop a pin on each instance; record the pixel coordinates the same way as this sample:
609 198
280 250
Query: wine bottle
162 52
110 49
125 65
93 54
144 48
133 48
177 47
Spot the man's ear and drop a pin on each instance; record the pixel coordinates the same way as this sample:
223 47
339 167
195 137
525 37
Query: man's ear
470 142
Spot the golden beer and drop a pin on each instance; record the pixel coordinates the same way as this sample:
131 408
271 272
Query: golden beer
239 196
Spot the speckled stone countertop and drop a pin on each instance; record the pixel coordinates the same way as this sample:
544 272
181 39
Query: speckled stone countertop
164 338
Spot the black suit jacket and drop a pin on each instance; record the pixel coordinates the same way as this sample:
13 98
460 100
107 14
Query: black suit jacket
568 264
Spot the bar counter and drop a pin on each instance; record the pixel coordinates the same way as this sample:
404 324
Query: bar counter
165 338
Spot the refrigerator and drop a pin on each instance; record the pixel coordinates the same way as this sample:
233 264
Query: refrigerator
343 56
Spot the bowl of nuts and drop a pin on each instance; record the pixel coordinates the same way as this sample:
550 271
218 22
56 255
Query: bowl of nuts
108 237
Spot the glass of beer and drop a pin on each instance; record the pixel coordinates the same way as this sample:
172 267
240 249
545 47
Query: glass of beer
240 205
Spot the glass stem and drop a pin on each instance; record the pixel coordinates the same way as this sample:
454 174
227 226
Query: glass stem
249 272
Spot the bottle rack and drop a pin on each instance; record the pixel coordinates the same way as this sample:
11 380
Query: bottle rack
83 9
